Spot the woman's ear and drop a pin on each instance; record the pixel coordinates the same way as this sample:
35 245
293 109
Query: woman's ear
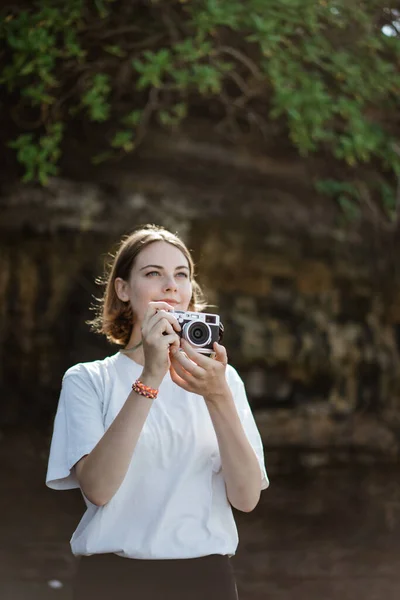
121 289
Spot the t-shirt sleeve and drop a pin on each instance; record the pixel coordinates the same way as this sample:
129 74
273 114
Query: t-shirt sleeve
78 426
246 417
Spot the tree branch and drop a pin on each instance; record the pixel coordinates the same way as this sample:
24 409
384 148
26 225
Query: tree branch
242 58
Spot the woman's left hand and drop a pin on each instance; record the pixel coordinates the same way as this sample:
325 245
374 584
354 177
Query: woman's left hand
200 374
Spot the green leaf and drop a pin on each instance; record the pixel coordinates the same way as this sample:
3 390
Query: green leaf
96 98
349 208
123 139
115 50
101 157
133 118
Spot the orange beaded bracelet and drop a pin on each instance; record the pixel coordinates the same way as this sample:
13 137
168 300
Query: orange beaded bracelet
144 390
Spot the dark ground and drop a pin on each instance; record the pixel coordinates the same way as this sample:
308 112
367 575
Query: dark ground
327 534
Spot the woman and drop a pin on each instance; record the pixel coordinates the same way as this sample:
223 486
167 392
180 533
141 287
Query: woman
159 438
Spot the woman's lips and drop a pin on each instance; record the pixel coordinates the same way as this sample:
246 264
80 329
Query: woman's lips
170 301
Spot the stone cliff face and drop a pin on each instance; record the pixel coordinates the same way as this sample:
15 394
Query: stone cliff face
312 317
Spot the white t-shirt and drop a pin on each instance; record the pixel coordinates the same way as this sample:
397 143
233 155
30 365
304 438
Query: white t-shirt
172 502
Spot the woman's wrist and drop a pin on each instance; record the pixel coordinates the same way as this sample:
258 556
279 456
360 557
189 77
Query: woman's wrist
218 395
152 380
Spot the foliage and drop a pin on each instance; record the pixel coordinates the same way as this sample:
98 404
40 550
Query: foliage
322 70
353 196
346 194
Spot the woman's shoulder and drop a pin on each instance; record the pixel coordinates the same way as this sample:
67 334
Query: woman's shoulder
90 370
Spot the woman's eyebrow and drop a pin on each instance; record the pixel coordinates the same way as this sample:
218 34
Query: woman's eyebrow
160 267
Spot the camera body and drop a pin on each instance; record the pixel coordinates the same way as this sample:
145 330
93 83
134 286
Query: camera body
201 330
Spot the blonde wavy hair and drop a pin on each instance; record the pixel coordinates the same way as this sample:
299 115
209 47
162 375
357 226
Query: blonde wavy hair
114 318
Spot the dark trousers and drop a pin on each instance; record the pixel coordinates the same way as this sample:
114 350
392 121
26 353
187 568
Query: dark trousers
111 577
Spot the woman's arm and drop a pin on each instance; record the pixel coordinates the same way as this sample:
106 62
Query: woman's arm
101 472
202 375
242 472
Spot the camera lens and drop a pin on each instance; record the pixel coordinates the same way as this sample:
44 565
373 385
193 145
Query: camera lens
197 333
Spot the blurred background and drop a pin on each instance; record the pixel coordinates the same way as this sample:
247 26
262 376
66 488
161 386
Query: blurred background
267 135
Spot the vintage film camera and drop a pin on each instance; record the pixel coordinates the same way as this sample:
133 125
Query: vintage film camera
201 330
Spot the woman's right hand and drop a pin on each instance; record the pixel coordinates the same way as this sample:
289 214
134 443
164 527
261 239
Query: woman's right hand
159 329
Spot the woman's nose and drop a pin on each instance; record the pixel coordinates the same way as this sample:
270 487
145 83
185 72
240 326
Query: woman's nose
170 284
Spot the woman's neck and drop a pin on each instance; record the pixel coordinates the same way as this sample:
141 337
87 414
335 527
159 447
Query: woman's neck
134 348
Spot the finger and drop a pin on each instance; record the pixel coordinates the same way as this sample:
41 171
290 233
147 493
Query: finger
189 365
165 336
155 306
164 318
197 357
152 309
180 370
179 381
172 340
160 327
163 314
162 335
220 353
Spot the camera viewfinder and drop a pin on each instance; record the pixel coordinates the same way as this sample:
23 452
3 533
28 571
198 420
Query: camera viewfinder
211 319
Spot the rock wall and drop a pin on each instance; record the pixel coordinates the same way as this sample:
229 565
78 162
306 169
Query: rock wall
316 339
312 323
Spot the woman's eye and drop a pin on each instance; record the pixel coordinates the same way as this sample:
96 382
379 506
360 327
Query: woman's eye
154 273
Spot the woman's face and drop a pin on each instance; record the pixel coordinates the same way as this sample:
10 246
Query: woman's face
160 273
